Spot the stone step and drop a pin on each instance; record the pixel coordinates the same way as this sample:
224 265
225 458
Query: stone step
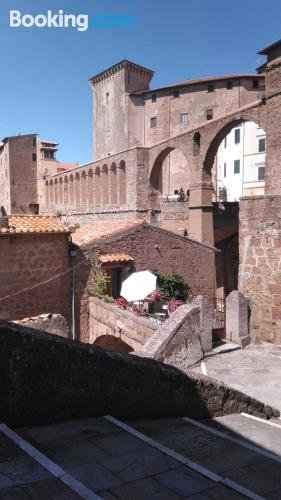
223 446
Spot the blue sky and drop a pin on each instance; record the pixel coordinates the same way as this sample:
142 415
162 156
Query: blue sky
44 72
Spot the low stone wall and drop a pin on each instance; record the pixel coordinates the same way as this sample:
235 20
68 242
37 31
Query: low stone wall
178 341
109 319
45 378
51 323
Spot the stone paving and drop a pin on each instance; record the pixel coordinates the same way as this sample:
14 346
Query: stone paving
117 465
255 371
22 478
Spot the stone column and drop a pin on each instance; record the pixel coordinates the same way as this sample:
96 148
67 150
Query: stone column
201 213
206 318
237 318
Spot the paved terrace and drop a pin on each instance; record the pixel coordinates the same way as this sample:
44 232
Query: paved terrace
255 371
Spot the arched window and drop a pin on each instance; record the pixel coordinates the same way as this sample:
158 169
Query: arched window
90 188
113 185
105 190
122 183
77 190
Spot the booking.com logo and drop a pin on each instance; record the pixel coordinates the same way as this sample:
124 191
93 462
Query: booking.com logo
81 22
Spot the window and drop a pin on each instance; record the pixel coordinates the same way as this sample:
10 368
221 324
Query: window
33 173
153 122
262 145
229 85
237 136
224 169
13 180
209 114
237 166
211 87
34 142
255 84
176 94
107 96
261 173
34 156
153 98
225 142
184 118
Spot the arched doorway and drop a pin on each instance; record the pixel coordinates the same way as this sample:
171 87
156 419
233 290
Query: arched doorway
236 162
113 343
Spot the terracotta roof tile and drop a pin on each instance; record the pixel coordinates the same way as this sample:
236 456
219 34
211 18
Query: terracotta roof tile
102 229
33 224
110 258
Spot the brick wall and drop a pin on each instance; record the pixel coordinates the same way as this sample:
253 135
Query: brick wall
28 259
151 247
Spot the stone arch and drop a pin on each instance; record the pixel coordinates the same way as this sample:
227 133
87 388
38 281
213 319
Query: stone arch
113 184
105 186
51 185
113 343
212 167
169 175
65 191
77 189
56 192
91 187
196 144
47 194
97 183
60 191
83 188
71 190
122 183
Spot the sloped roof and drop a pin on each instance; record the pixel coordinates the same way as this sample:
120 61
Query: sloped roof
111 258
33 224
100 229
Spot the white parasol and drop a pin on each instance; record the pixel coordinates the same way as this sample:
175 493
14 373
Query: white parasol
138 286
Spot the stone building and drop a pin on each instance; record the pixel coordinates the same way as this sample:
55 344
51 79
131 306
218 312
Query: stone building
127 246
24 161
240 163
130 120
34 277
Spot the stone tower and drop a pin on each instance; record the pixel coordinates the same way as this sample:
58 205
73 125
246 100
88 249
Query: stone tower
118 115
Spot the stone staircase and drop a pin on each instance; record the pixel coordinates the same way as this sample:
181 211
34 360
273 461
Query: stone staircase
231 457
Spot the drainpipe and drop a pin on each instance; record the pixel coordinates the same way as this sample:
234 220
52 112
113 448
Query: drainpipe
73 254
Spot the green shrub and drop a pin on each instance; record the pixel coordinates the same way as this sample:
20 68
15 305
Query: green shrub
172 286
101 280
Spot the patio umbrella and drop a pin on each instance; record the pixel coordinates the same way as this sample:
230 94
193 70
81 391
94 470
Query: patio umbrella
138 286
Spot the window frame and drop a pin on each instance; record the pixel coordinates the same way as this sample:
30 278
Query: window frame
184 114
262 140
238 132
153 119
235 163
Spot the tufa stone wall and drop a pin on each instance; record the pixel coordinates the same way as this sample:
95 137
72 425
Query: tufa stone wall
51 323
177 341
260 265
109 319
30 259
45 378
